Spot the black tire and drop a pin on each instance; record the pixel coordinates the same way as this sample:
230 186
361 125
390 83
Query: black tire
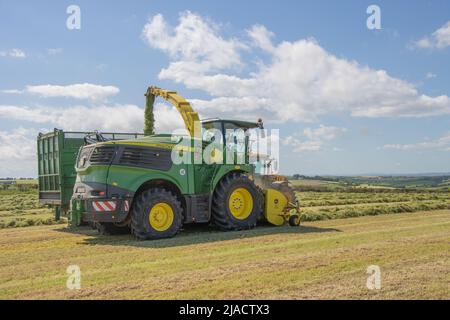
221 215
108 228
140 225
294 220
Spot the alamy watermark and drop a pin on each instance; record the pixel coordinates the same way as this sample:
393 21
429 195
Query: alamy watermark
74 280
374 20
374 279
73 21
238 146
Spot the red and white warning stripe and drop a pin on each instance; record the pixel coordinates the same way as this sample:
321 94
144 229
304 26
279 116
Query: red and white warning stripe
104 205
126 205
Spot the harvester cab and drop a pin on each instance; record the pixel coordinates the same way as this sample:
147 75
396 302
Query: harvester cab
280 202
155 184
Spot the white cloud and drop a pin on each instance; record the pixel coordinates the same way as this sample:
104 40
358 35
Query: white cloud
442 143
438 39
423 43
13 53
194 43
314 139
88 91
167 119
54 51
300 81
261 37
430 75
17 152
116 118
17 53
12 91
77 91
323 132
17 144
298 145
17 147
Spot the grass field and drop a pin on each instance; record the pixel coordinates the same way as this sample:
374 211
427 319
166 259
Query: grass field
323 259
330 183
405 232
20 181
22 209
335 205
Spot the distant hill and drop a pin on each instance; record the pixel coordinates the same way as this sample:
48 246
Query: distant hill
388 181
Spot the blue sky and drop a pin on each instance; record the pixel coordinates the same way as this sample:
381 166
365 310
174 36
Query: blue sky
346 99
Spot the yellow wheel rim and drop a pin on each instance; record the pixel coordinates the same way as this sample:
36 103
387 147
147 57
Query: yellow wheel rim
240 203
161 216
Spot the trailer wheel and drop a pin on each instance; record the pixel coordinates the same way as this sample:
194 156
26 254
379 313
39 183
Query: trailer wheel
237 203
156 214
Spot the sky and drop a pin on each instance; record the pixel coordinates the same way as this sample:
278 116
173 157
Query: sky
347 99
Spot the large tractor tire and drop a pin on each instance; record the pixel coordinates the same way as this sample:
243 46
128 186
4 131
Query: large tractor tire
156 214
237 203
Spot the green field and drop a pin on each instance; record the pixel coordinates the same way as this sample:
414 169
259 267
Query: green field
404 231
22 209
330 183
20 181
335 205
323 259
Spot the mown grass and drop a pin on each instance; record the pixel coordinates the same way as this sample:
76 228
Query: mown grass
22 209
322 259
314 214
311 199
336 205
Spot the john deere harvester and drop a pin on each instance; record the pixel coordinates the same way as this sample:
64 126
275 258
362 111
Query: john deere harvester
155 184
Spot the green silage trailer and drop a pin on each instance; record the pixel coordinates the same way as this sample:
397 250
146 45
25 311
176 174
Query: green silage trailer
57 153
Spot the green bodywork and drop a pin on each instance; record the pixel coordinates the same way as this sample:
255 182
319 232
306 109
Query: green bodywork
191 178
198 178
56 153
